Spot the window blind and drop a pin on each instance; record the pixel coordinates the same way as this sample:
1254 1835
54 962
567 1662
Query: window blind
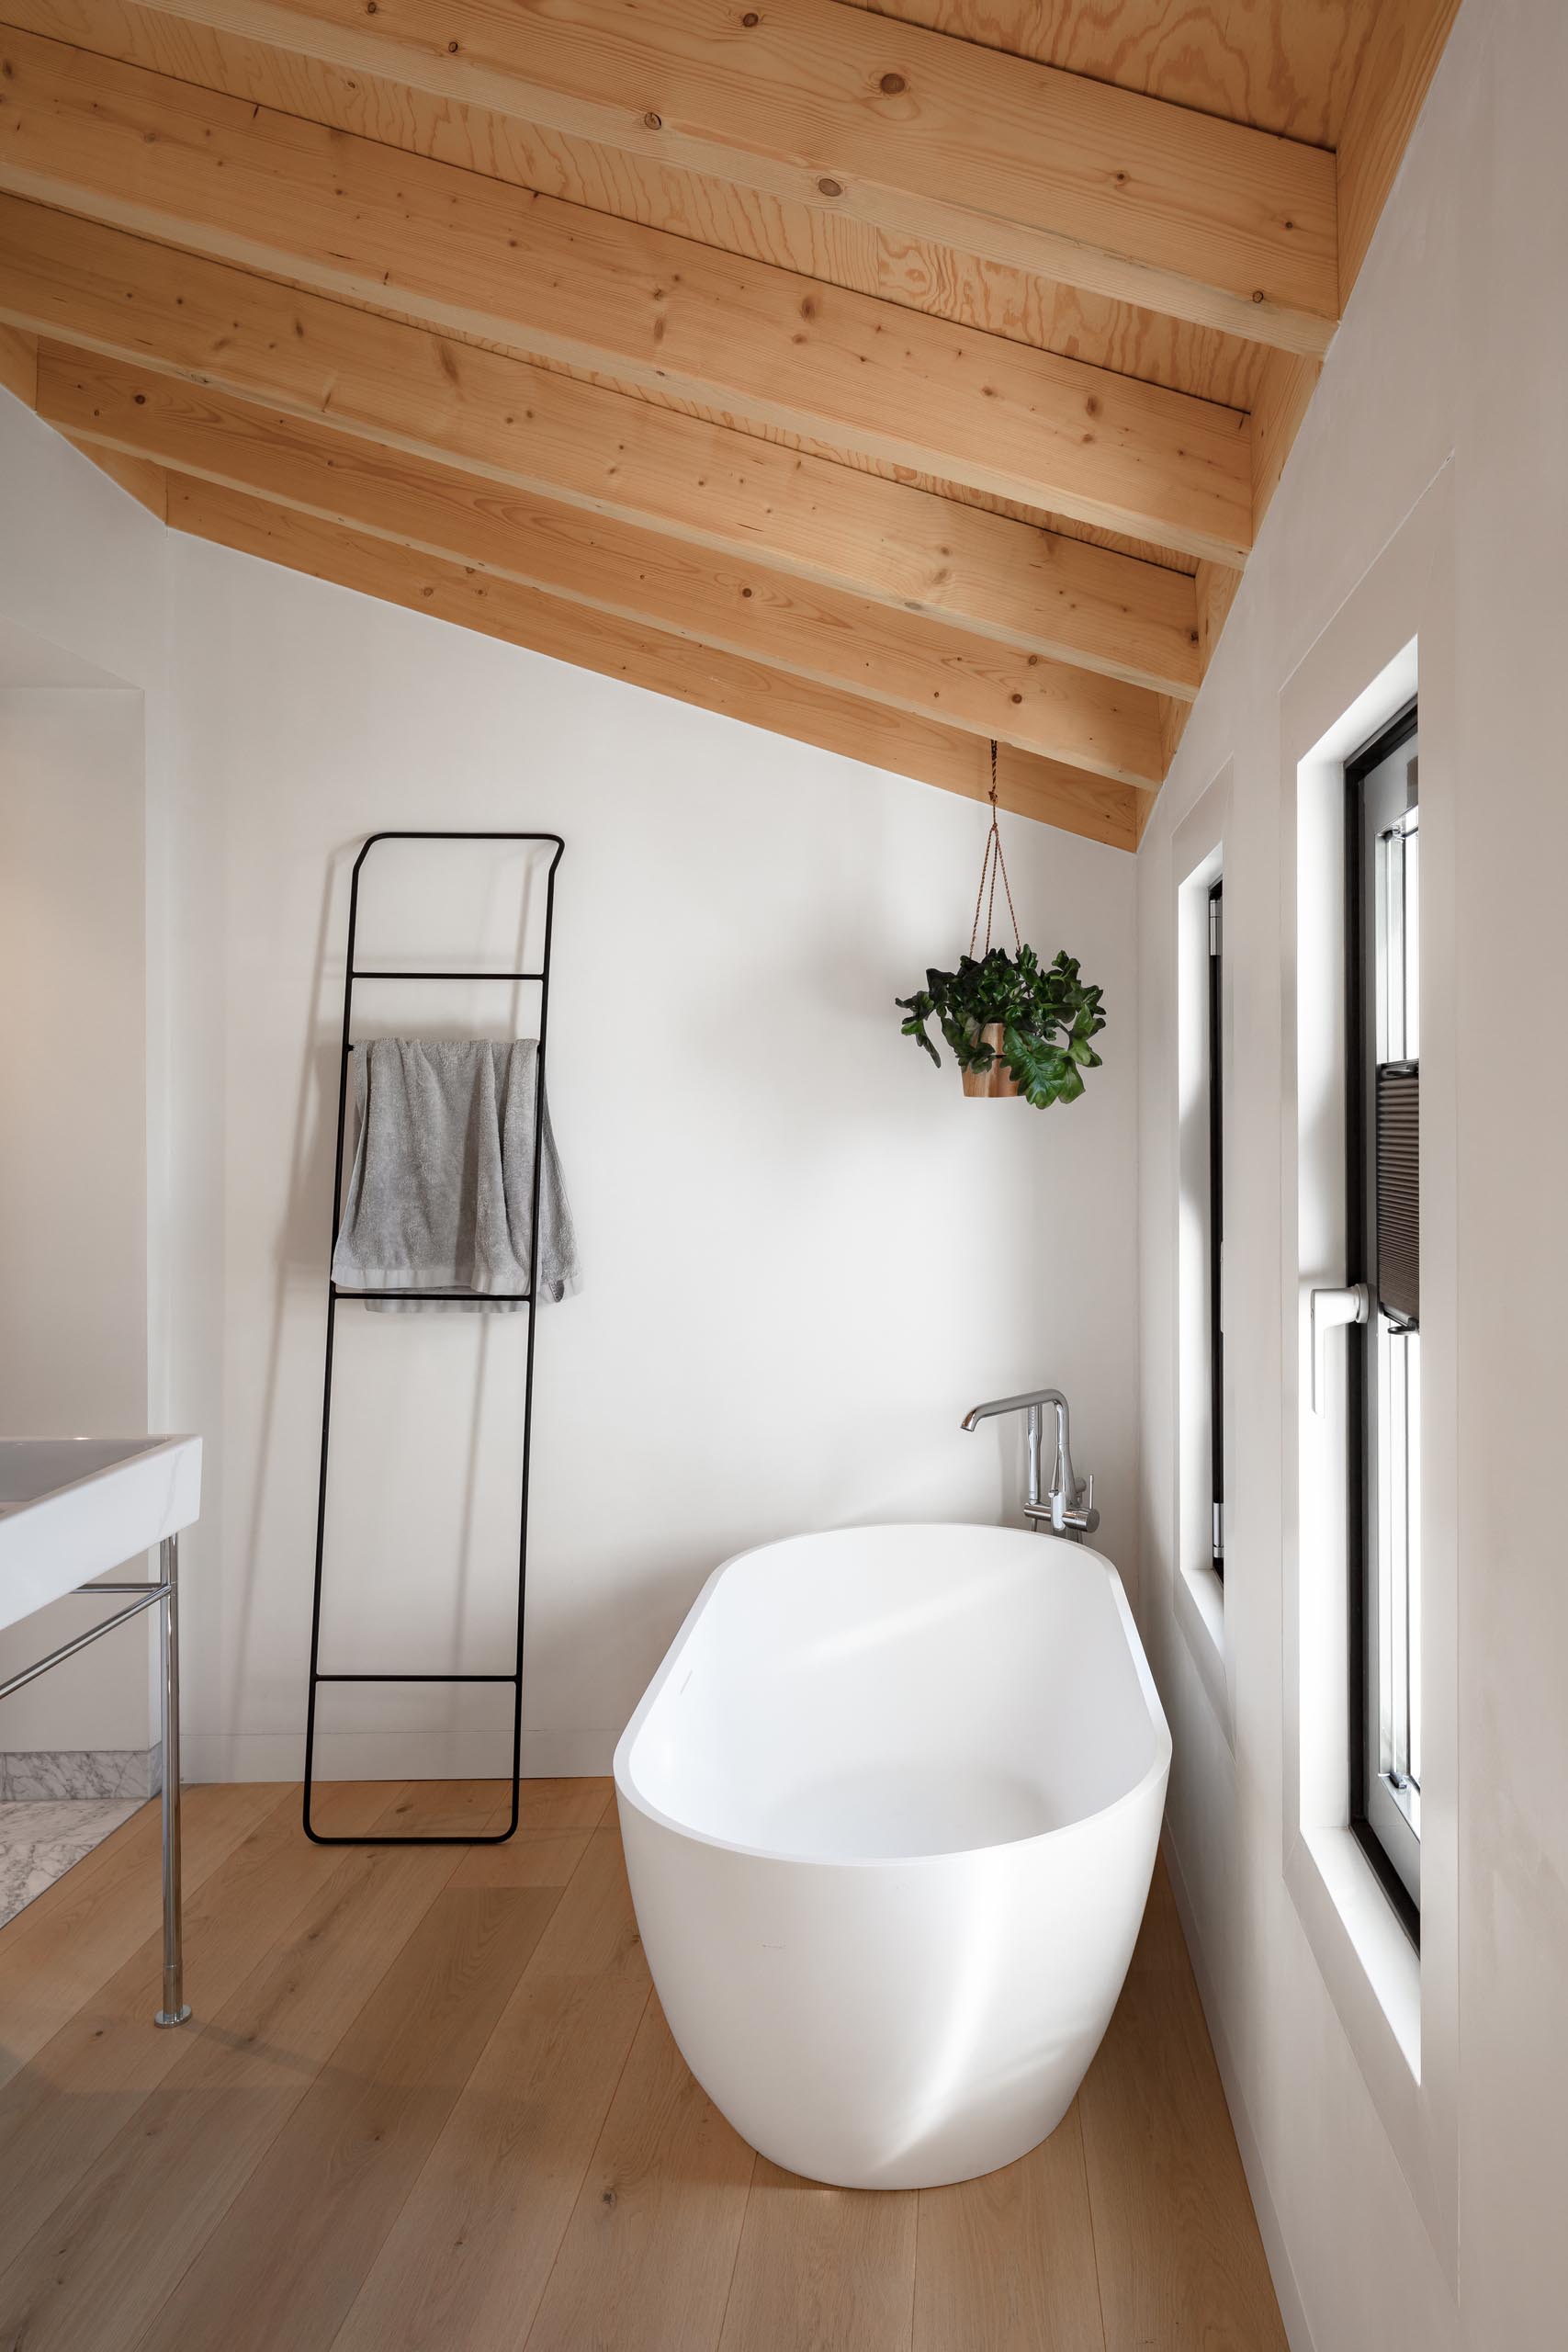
1399 1189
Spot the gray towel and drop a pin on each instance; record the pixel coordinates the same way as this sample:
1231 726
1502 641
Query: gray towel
442 1188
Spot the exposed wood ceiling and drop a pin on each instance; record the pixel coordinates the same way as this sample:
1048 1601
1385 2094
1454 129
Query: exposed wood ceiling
896 379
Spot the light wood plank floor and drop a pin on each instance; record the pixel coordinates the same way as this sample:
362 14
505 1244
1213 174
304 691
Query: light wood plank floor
428 2104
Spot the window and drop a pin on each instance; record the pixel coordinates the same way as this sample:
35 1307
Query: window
1202 1034
1216 1228
1383 931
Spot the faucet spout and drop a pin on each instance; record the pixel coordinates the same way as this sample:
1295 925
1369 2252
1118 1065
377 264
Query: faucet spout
1063 1507
1030 1402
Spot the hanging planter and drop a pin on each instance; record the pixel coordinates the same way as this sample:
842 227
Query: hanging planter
994 1079
1016 1027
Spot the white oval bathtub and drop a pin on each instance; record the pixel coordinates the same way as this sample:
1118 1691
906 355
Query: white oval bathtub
890 1808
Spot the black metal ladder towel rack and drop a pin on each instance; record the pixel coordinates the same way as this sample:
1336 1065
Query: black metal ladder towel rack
541 978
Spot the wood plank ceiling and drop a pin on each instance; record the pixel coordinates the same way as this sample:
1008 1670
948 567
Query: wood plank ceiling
895 378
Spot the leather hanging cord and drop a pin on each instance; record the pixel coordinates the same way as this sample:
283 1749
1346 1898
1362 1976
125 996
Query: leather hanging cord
993 863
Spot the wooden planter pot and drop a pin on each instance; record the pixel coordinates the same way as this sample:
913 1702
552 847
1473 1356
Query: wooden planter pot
997 1081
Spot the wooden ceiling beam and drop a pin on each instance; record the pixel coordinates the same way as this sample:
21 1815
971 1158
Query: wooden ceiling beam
889 123
19 376
724 683
910 664
915 272
451 249
18 363
1216 587
529 429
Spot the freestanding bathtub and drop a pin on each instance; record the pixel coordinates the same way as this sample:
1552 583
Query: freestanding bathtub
890 1808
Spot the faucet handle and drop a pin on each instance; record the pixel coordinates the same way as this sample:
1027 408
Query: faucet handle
1331 1309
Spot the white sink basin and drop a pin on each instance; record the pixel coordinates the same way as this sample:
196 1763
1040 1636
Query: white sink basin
73 1508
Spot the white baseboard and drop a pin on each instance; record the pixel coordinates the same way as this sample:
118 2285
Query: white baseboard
395 1756
1292 2309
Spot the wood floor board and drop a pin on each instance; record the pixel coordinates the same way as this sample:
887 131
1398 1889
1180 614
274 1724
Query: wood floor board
64 1948
410 1808
1007 2261
65 2108
456 1808
650 2247
92 2278
469 2261
831 2269
344 1808
287 2260
1161 1944
430 2100
528 1858
566 1804
1179 2260
593 1932
472 2252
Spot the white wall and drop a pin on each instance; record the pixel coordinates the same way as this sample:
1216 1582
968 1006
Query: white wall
74 1172
804 1254
84 823
1454 355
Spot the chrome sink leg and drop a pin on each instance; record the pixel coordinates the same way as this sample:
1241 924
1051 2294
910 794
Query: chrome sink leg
175 2008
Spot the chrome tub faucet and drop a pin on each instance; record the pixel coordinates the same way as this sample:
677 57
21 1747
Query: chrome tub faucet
1066 1507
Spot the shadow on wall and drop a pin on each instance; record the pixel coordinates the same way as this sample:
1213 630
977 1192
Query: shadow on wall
278 1548
309 1185
805 1256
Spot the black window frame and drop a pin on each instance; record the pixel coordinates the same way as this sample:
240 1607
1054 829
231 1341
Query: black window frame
1360 1006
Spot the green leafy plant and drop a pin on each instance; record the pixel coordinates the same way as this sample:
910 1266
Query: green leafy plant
1047 1015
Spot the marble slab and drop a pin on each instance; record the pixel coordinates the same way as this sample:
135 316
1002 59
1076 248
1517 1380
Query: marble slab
39 1842
35 1775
